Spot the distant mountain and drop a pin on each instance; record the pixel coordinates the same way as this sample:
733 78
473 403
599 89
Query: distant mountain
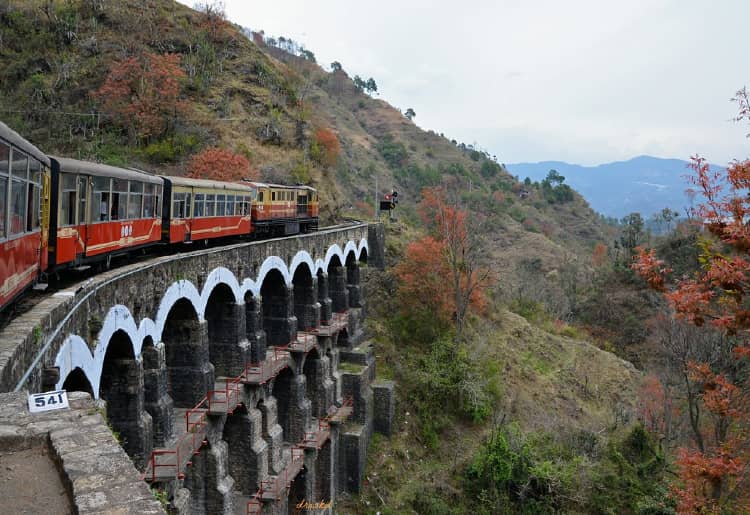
643 184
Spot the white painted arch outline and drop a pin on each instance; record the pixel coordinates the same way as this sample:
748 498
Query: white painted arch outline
74 352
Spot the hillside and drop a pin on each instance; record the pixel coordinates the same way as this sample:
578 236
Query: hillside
643 184
296 122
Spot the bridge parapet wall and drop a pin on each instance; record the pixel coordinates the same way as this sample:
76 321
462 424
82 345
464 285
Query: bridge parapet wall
139 296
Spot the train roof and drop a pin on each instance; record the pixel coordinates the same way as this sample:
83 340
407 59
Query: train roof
283 186
206 183
12 137
101 170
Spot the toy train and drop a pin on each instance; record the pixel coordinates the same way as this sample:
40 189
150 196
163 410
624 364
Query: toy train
58 213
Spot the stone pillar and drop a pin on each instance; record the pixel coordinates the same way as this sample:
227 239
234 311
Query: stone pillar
227 343
157 401
122 387
209 482
254 329
384 407
326 304
337 288
353 285
219 485
376 245
279 321
189 370
248 458
320 387
294 408
352 459
273 434
307 308
322 490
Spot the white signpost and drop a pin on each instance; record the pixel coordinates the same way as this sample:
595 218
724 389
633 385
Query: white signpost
48 401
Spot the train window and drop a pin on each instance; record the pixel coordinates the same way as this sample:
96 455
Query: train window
20 166
260 196
273 196
3 203
210 205
35 172
148 201
119 199
220 201
68 199
199 205
135 200
100 199
188 204
230 205
178 205
17 206
32 215
157 204
82 198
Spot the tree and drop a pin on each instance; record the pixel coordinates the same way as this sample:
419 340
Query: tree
141 94
371 87
359 83
336 66
325 148
632 232
220 165
714 472
461 253
410 114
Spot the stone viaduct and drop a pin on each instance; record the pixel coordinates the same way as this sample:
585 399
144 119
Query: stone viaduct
237 379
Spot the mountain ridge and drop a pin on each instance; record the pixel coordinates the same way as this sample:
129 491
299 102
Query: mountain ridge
644 184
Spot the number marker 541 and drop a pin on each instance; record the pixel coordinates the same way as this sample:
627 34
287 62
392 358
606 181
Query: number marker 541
48 401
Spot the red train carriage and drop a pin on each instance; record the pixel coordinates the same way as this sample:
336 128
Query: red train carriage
199 210
101 211
284 210
24 214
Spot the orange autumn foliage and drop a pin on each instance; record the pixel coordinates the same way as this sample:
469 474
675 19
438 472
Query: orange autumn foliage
442 270
328 146
220 165
714 476
141 93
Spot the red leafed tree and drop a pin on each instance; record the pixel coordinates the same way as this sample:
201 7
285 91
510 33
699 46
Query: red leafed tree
220 165
714 473
141 94
445 268
326 147
599 255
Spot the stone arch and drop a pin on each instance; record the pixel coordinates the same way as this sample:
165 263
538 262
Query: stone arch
121 386
182 291
189 372
337 284
254 332
282 392
363 256
74 353
278 305
225 322
342 339
76 381
305 294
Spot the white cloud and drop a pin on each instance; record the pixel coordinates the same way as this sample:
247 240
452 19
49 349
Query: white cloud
581 80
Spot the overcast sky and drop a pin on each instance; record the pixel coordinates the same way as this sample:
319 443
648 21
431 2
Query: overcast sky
580 81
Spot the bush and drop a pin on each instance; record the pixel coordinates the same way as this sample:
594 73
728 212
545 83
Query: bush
394 152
